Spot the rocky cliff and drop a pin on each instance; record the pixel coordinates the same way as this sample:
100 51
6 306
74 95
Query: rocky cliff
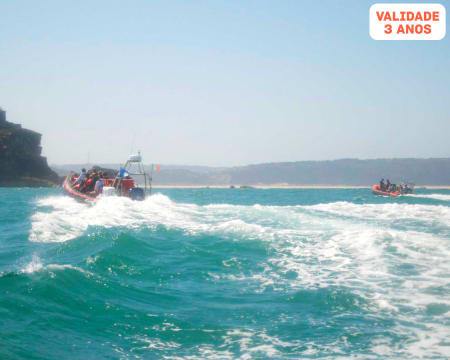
21 163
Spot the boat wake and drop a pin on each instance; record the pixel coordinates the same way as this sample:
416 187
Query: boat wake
60 218
392 257
442 197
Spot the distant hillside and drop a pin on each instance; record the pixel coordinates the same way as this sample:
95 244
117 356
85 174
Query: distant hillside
335 172
346 172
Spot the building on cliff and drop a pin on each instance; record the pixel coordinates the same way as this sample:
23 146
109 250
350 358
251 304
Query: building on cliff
21 163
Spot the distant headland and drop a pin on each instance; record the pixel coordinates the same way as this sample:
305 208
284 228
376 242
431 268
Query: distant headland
21 162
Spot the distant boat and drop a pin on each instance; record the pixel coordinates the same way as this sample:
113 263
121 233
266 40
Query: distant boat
377 191
403 189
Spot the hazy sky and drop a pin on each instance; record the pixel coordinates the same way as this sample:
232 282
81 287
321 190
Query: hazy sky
220 82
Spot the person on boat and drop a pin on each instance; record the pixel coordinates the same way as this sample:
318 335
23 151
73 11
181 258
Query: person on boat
87 183
382 185
94 177
80 180
98 189
388 185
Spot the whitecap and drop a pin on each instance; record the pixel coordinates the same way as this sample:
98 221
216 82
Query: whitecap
442 197
35 265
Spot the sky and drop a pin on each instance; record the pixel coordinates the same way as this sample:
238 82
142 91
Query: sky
219 82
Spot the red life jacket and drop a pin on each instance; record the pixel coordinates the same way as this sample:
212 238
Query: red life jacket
86 185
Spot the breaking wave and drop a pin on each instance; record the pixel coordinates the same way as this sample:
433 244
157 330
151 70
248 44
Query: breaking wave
394 258
60 218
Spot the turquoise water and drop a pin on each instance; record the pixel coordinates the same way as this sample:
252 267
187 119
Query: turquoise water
225 274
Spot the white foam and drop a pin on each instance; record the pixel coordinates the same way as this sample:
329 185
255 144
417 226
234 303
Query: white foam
208 352
70 219
443 197
391 211
35 265
386 254
155 343
256 344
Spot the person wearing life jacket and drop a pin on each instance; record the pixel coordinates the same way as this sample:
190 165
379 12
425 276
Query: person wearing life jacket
94 178
87 183
382 185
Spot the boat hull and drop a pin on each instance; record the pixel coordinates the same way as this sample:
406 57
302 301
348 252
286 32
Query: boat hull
69 190
377 191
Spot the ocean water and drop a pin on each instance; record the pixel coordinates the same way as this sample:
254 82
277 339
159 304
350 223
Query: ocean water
225 274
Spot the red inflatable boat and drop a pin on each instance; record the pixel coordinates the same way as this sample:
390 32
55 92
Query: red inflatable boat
377 191
122 184
67 186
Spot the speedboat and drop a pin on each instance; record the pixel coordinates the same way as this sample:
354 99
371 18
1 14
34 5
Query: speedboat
122 184
403 189
377 191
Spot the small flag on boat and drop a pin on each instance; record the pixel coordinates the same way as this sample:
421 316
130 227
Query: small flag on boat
155 168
